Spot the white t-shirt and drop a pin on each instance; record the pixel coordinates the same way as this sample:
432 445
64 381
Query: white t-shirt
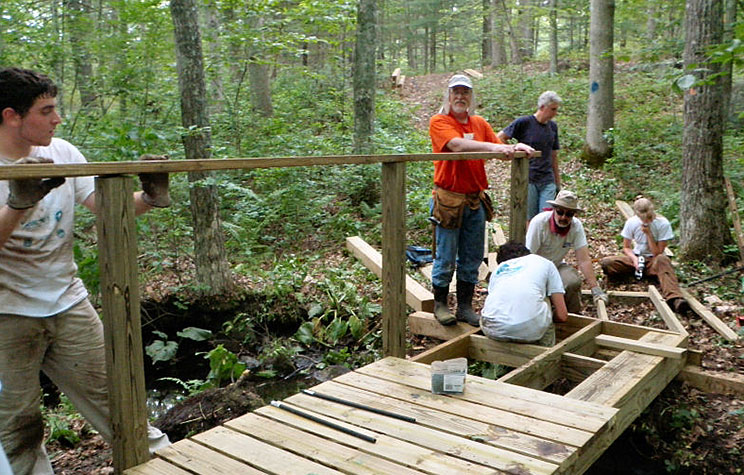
551 246
37 268
661 230
517 307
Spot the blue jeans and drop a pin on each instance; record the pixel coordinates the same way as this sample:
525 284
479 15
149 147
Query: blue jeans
462 247
537 197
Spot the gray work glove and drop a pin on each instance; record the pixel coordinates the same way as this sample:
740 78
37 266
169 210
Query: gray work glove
25 193
599 294
155 185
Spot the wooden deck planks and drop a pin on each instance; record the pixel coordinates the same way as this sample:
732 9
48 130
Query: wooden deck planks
198 459
156 466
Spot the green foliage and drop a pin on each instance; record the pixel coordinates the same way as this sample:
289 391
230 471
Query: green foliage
223 366
165 349
59 421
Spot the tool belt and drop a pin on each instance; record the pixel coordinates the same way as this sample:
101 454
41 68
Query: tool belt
448 206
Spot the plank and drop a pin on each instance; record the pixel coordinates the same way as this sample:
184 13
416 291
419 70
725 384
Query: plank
627 211
117 252
260 455
708 316
577 368
640 347
473 73
735 217
666 313
497 235
400 81
424 323
619 294
403 452
601 310
417 296
729 383
319 449
426 272
47 170
396 73
459 406
395 281
458 423
196 458
508 397
156 466
504 353
454 348
518 199
450 444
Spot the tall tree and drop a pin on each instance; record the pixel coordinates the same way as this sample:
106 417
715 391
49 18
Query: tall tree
364 76
729 19
601 114
703 222
553 37
212 269
487 39
81 24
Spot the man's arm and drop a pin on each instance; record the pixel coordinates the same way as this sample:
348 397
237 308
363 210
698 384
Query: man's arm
657 247
559 302
503 137
459 144
585 266
628 251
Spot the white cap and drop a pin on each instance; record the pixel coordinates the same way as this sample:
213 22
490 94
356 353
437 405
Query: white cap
460 80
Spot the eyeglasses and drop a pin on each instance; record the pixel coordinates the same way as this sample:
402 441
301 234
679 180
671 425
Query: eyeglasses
564 212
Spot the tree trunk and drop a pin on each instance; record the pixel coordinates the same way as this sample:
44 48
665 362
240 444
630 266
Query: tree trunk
601 113
516 56
212 269
526 22
728 35
364 77
80 27
258 74
553 37
214 57
703 223
499 50
651 21
487 40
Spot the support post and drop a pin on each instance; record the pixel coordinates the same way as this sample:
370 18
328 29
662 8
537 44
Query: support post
520 168
393 261
117 254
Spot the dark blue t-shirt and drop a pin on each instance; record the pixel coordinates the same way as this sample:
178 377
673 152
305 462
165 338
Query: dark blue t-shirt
542 137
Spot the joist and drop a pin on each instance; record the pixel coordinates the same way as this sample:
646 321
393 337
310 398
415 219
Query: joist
473 73
424 323
640 347
709 317
671 320
417 296
455 348
627 211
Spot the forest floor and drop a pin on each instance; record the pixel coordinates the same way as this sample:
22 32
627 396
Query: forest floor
683 431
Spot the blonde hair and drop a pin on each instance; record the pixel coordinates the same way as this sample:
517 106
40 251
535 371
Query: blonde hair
644 209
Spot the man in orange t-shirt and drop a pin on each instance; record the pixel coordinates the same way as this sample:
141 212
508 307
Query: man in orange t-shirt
460 245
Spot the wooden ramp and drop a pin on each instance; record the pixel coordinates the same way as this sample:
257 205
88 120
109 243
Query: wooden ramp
505 426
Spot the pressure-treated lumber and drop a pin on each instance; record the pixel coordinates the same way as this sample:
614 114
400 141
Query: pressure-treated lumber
735 217
666 313
47 170
473 73
455 348
520 168
393 273
639 346
708 316
117 254
707 381
627 211
417 296
424 323
601 310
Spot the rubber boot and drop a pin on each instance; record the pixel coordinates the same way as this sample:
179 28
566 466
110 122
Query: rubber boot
465 311
441 309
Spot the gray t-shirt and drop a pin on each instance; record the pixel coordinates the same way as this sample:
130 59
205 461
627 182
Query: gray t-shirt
661 230
541 241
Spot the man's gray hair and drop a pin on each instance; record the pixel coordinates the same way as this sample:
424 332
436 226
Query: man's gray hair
445 109
547 98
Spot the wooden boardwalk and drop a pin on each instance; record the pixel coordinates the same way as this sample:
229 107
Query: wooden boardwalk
508 425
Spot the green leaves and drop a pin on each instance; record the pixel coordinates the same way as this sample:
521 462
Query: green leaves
160 350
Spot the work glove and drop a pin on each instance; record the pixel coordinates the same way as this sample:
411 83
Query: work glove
25 193
599 294
155 185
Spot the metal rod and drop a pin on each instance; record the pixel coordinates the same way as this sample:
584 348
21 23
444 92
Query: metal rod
324 422
730 271
358 405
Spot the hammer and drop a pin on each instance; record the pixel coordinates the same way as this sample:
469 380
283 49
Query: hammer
434 223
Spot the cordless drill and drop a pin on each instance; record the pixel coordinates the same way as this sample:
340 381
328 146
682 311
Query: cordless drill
641 267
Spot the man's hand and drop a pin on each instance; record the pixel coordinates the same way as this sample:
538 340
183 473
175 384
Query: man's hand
155 185
599 294
520 147
25 193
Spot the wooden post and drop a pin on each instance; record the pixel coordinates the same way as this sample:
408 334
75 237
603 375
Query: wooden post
393 262
735 217
117 256
518 216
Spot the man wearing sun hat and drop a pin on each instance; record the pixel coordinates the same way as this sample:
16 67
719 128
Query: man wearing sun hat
552 233
459 198
651 232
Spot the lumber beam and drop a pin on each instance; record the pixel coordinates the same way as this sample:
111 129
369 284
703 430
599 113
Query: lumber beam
671 320
518 199
601 310
577 368
708 316
627 211
424 323
735 217
624 295
504 353
454 348
395 281
122 329
418 297
640 347
697 377
473 73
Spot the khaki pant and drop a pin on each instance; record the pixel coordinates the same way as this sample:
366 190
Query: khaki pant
572 284
659 267
69 348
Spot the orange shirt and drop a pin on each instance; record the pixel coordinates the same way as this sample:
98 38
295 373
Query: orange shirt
460 176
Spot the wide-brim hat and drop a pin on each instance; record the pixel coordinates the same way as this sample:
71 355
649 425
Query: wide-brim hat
566 199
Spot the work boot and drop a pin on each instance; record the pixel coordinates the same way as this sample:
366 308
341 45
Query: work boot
441 309
465 311
679 305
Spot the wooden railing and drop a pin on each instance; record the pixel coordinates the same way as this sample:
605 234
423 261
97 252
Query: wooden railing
117 244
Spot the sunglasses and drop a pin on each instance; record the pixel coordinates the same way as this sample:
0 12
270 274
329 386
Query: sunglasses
564 212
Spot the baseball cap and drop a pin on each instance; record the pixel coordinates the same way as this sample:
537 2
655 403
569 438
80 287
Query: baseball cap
460 80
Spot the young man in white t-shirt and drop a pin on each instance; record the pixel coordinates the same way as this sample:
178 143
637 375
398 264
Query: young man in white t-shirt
520 294
651 233
46 320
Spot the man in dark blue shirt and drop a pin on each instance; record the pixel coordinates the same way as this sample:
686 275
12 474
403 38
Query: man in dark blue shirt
541 133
